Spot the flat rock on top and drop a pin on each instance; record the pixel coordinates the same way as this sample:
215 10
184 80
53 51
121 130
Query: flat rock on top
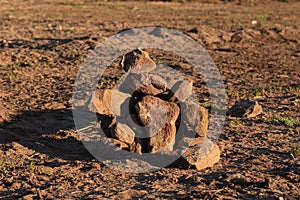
137 61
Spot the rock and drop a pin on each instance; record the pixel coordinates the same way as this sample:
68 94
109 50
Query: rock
154 109
122 132
246 108
181 90
160 117
120 103
108 102
137 61
195 117
144 83
101 102
134 122
163 141
136 147
200 156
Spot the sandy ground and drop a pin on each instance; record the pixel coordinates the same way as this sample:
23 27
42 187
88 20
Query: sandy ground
43 43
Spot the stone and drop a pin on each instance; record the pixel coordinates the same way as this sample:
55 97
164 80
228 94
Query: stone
144 83
163 141
195 117
136 147
245 108
159 116
108 102
122 132
120 103
181 90
200 156
137 61
154 109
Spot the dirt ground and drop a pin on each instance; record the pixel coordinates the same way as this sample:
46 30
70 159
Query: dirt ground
255 44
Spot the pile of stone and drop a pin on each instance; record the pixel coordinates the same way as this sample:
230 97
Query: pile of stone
143 115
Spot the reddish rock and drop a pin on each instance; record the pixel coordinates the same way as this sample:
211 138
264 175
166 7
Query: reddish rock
160 117
153 108
200 156
163 141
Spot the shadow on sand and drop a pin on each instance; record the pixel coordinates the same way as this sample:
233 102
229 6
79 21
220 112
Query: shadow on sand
49 132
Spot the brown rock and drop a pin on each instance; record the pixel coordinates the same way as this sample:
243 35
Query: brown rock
246 108
195 117
160 117
137 61
108 102
200 156
163 141
136 147
181 90
122 132
154 109
144 83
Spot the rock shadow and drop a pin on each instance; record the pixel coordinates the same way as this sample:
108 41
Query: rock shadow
49 132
